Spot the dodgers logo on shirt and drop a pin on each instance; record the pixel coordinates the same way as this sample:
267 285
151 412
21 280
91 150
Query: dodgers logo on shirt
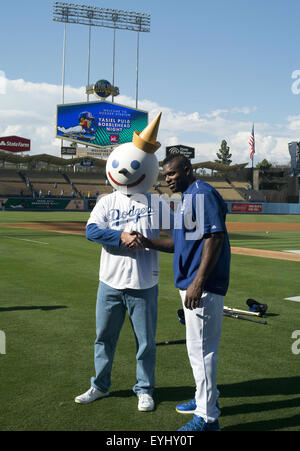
116 217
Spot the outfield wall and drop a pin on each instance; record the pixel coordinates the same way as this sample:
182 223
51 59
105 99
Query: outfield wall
46 204
70 204
263 208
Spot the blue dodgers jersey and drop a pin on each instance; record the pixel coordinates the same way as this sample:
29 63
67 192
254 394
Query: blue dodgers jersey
202 211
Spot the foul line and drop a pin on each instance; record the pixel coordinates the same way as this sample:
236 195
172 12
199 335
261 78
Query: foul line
23 239
294 298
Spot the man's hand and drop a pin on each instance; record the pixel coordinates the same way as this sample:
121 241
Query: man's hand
193 296
132 240
136 241
141 242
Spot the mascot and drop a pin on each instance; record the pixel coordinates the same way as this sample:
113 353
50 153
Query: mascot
128 275
133 167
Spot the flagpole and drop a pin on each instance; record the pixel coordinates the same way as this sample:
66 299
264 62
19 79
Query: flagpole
252 172
252 145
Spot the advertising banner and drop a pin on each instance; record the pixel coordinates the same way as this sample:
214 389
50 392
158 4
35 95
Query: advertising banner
20 204
14 144
246 208
99 123
179 149
68 150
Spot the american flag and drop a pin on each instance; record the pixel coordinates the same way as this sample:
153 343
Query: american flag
252 143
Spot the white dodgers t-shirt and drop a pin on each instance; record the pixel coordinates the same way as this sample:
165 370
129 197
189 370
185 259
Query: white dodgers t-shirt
121 267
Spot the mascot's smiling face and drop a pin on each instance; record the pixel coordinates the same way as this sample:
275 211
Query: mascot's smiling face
131 170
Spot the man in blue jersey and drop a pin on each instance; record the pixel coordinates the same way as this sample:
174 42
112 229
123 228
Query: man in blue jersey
201 271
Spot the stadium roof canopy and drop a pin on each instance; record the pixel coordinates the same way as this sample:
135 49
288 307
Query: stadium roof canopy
219 166
216 166
50 159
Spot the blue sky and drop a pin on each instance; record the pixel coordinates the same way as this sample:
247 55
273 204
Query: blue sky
212 67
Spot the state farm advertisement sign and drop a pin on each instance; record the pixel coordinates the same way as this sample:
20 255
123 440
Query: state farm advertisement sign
14 144
246 208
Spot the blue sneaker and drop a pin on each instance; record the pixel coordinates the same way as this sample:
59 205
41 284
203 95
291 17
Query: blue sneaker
198 424
186 407
189 406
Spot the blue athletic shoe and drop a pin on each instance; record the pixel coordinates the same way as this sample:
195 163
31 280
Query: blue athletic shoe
198 424
188 407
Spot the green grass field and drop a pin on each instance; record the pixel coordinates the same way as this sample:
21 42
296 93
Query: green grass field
48 289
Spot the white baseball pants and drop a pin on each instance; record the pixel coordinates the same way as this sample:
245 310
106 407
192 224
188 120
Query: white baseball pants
203 333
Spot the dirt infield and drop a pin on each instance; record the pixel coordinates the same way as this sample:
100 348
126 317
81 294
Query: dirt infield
78 228
265 253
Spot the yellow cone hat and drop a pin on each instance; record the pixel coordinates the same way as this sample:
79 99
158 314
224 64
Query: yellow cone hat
146 140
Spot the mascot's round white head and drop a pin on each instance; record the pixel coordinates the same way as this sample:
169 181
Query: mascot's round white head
132 167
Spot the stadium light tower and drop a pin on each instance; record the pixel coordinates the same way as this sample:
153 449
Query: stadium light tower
101 17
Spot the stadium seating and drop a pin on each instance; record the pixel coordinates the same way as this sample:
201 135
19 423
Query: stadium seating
11 184
57 184
85 184
228 190
219 184
230 194
13 188
240 185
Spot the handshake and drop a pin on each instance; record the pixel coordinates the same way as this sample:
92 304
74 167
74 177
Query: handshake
134 240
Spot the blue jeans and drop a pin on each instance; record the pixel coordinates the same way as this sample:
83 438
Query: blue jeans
111 307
